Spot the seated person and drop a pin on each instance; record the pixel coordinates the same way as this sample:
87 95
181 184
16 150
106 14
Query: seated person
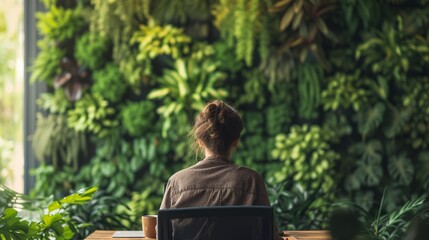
216 180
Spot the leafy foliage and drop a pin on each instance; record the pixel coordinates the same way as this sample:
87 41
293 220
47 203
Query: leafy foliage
92 114
46 64
344 91
369 171
154 40
370 118
180 11
117 20
333 96
91 51
6 149
109 83
309 76
401 169
390 51
391 225
55 222
304 20
186 88
55 103
295 207
60 24
99 213
138 117
249 23
57 142
357 13
307 156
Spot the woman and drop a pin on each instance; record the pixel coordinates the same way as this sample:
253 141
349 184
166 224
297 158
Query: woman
216 180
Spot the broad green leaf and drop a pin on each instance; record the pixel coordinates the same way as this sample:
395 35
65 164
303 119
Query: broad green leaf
54 206
49 219
370 118
58 229
371 171
372 151
9 213
401 168
158 93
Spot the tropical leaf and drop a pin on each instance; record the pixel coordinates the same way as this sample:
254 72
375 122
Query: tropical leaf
353 181
370 118
371 151
397 120
369 170
401 168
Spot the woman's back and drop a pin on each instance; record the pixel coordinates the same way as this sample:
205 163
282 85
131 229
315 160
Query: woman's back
214 181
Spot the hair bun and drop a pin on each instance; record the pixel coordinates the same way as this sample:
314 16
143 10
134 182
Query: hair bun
218 125
215 113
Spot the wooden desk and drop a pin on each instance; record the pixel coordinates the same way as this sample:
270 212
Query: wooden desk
289 235
307 235
107 234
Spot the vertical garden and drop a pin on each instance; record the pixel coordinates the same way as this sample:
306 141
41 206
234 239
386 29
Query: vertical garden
334 96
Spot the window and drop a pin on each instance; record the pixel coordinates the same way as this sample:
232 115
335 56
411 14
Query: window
11 94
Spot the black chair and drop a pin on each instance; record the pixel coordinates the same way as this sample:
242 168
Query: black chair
216 223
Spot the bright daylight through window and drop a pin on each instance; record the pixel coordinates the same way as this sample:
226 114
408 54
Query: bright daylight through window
11 94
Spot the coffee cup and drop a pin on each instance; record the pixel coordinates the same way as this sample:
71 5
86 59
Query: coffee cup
149 226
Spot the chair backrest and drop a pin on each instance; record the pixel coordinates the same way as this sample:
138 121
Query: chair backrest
216 223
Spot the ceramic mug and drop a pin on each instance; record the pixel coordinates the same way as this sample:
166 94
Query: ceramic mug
149 226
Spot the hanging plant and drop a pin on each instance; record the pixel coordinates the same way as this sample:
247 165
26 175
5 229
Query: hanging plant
245 26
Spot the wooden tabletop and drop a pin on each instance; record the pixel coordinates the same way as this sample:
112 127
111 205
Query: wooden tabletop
307 235
107 234
289 235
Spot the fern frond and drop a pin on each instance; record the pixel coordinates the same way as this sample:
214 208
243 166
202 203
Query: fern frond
398 218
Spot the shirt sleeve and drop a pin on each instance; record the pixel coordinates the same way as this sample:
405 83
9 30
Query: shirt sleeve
261 193
166 200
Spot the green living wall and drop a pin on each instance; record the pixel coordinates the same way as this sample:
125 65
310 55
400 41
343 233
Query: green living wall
334 95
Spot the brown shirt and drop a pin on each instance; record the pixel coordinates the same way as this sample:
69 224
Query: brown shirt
215 181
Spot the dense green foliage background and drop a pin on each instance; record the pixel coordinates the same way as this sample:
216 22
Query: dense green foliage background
334 95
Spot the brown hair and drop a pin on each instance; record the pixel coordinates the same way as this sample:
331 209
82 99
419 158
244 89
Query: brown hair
218 125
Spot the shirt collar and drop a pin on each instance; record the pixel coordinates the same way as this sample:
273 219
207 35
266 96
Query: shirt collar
217 158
